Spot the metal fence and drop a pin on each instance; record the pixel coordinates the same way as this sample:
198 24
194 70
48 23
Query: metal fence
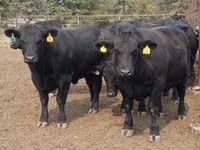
68 21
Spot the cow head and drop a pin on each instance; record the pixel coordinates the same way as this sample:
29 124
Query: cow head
110 79
14 35
127 48
31 39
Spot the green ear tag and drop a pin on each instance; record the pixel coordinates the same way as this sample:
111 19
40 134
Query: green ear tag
146 50
49 38
12 38
103 49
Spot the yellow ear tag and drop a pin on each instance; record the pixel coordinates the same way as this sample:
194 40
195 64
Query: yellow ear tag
103 49
146 50
49 38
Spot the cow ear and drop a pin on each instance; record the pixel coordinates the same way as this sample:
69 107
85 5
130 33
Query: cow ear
147 46
50 34
11 32
53 32
104 46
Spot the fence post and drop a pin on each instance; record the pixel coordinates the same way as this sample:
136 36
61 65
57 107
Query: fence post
16 21
0 21
78 21
199 50
119 18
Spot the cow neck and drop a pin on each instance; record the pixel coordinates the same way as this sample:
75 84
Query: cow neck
143 74
44 65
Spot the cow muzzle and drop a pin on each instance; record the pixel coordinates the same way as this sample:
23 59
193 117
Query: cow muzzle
12 45
125 72
29 59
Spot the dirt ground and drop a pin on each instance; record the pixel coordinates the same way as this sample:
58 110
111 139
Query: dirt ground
20 109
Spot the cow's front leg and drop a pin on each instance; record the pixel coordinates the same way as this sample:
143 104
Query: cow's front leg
44 117
61 101
128 122
154 108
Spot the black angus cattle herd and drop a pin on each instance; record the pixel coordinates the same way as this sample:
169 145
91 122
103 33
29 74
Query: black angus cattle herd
141 58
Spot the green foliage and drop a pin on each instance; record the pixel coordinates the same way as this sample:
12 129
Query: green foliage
146 6
63 8
179 6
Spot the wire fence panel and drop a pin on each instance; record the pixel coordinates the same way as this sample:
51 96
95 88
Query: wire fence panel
69 21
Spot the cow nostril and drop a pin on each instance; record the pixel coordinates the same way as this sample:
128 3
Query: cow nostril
125 72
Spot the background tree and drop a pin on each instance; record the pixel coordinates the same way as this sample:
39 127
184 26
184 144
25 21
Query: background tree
64 8
146 6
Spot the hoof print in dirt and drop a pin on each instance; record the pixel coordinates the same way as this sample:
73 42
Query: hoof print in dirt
62 125
154 138
127 133
42 124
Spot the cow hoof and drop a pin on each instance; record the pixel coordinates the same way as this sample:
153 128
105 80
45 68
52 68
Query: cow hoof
42 124
122 110
111 94
51 95
142 113
92 111
153 138
175 101
181 117
127 133
161 115
123 133
165 97
61 125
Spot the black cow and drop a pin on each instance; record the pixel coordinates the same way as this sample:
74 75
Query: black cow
146 62
56 58
50 23
175 20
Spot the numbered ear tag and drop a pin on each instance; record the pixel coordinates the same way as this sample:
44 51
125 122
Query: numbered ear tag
49 38
12 38
103 49
146 50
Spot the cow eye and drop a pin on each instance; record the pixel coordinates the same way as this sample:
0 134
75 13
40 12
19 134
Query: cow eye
116 51
39 42
22 42
135 53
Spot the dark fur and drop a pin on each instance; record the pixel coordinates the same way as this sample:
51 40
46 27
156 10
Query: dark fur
68 58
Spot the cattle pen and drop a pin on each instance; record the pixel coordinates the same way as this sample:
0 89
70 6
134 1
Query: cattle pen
20 106
191 16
